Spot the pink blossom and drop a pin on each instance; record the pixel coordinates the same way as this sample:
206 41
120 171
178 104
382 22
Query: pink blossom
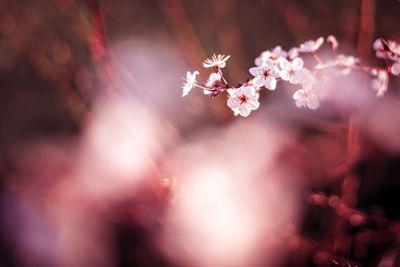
275 54
265 75
380 83
243 100
218 61
311 46
290 69
305 97
190 82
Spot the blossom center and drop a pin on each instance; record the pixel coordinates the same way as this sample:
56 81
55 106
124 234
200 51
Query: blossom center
265 73
242 99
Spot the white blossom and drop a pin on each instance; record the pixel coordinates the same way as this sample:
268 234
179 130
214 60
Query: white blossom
212 82
387 49
190 82
346 63
379 47
325 65
305 97
290 69
311 46
243 100
380 83
265 75
218 61
279 52
378 44
394 47
304 76
341 65
264 56
293 53
275 54
215 76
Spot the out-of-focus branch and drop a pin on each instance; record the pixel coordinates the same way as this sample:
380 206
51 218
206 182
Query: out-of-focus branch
367 28
183 30
229 36
98 47
98 44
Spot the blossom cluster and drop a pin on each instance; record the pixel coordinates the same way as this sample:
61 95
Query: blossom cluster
279 65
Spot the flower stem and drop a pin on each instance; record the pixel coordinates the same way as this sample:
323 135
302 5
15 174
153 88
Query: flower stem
222 76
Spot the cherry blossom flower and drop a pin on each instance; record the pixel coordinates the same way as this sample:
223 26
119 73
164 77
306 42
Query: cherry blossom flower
378 44
213 84
290 69
346 63
380 83
387 49
394 47
279 52
190 82
395 69
264 56
293 53
379 48
265 75
214 77
275 54
243 100
218 61
305 76
305 97
311 46
341 65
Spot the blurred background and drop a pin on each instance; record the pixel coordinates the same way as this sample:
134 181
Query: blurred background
102 163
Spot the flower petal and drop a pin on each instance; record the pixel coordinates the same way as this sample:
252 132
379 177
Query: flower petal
313 102
274 71
395 69
300 102
233 102
249 91
297 64
319 42
267 64
186 90
244 110
253 104
298 94
215 76
378 44
285 75
293 53
259 81
188 75
255 71
232 91
270 83
284 64
294 79
258 61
